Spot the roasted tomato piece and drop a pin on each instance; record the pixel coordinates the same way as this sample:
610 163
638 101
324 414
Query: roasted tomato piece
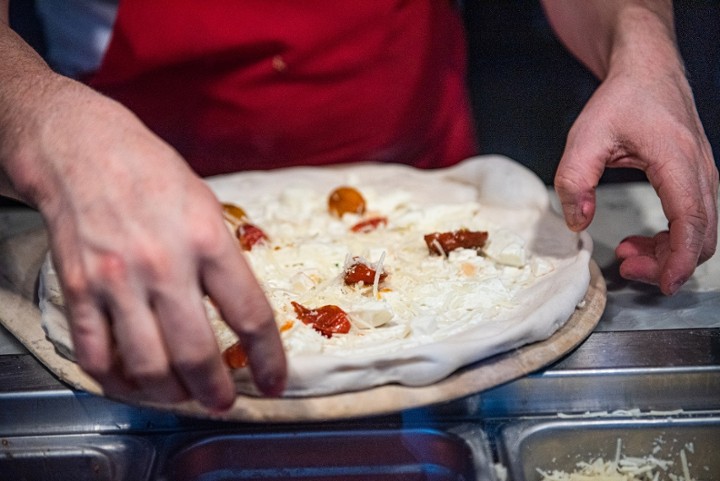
234 214
235 356
359 271
369 224
441 243
249 236
344 200
327 320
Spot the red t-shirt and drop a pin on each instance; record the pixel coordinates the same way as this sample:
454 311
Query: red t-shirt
237 85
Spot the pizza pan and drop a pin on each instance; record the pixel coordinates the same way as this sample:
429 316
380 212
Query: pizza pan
21 317
485 180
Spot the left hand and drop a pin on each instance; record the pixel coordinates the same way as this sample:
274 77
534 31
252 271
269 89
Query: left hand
646 120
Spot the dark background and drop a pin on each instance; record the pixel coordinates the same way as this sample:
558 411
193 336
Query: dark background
526 89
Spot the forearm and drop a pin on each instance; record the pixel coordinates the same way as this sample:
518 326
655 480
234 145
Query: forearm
18 61
610 35
23 76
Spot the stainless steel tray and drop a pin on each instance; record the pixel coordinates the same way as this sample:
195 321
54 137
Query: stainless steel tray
75 458
524 447
461 453
403 455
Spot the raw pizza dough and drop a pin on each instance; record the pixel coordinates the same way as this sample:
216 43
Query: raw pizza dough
521 290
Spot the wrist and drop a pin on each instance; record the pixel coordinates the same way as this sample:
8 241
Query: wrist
21 119
643 41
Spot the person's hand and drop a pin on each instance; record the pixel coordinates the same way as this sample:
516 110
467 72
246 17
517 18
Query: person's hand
646 119
138 241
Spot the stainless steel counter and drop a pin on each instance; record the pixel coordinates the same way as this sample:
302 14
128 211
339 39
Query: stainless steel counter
651 367
625 209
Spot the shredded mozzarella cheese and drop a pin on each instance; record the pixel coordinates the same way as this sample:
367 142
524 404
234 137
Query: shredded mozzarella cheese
424 297
623 468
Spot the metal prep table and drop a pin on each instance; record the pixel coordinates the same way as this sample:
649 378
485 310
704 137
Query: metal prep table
648 375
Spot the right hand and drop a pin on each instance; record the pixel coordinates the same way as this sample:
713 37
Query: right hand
138 240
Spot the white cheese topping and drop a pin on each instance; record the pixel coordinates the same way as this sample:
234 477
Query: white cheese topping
430 314
626 468
424 297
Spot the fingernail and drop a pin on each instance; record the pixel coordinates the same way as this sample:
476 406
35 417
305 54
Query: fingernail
674 287
577 215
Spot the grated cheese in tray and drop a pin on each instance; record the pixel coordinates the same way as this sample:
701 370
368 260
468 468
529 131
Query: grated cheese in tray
626 468
424 298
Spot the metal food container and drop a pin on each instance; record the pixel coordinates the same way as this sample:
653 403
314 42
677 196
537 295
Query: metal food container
456 454
404 455
75 458
559 445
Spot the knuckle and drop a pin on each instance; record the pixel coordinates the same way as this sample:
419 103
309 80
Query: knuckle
683 137
83 280
195 362
156 261
75 286
567 180
151 259
697 219
255 324
210 238
112 268
101 273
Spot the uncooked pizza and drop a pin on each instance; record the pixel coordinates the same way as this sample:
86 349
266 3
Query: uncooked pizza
381 273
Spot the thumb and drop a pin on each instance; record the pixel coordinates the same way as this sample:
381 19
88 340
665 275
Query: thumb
577 176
